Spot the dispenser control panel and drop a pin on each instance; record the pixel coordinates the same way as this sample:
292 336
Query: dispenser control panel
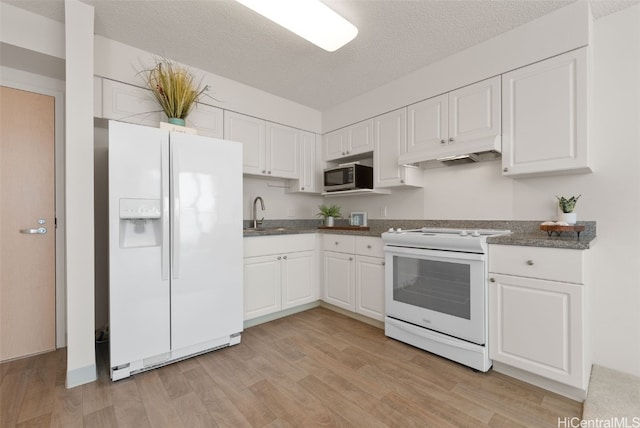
140 209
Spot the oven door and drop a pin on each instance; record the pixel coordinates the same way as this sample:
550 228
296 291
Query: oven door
443 291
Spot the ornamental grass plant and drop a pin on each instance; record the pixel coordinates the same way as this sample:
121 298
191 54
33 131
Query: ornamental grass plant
174 87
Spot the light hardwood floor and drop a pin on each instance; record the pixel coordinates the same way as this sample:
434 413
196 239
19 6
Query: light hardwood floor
316 368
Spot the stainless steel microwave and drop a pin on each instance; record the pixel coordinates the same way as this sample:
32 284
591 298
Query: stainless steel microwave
348 177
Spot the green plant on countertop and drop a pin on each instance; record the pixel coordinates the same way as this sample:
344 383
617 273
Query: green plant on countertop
329 211
567 205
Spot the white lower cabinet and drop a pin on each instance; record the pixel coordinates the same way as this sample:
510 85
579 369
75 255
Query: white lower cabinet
354 274
279 273
537 312
370 287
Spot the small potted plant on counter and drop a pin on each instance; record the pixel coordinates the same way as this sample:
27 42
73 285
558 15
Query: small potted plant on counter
329 213
566 207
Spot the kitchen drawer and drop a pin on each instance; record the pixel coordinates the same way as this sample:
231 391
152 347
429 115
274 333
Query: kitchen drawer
265 245
369 246
554 264
339 243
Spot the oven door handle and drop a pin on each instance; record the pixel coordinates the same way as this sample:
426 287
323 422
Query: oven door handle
426 253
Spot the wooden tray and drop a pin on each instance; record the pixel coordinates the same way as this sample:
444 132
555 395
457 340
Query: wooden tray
557 229
361 228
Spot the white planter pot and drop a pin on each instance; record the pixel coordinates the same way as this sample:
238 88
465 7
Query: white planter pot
569 218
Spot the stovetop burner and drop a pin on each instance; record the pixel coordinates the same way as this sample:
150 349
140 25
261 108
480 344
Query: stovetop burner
466 240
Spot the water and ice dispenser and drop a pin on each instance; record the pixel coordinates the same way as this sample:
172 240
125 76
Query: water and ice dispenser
140 222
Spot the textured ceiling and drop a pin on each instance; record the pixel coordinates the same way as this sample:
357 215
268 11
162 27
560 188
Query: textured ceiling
395 38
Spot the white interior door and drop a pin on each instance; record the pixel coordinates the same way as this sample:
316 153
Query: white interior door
27 223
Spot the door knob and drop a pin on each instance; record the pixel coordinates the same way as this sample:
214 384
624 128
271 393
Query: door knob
38 231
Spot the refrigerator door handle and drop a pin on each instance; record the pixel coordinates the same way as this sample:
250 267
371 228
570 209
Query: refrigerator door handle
164 183
175 223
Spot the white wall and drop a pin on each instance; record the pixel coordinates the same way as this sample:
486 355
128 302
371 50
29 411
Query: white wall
81 360
278 203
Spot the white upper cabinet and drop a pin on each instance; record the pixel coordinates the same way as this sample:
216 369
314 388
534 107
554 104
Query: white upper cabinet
268 149
353 140
132 104
428 124
463 121
282 151
249 131
128 103
544 110
208 120
310 174
390 136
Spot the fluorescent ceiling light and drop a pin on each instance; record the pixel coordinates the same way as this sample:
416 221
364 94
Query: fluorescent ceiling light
310 19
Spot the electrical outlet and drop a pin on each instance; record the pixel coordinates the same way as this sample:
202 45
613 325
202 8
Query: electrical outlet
291 212
383 211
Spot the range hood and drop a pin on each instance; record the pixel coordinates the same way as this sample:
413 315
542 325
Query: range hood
454 153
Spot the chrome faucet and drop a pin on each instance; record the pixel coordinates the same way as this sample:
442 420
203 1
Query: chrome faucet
257 222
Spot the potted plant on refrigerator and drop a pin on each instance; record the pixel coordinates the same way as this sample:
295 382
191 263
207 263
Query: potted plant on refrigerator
329 213
174 88
566 207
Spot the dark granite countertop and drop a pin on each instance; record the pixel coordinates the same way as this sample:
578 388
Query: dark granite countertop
523 233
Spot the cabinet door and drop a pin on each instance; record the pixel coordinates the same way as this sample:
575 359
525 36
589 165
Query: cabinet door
128 103
360 138
370 287
261 286
208 120
339 280
335 144
536 325
282 151
310 179
390 142
428 127
474 112
251 133
299 279
544 111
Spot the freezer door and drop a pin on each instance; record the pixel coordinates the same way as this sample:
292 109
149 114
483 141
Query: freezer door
206 262
138 238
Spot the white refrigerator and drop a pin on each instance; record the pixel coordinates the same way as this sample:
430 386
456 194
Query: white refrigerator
175 246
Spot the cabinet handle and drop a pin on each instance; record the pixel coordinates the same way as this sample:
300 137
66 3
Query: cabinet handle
401 181
530 262
347 151
279 258
264 171
343 153
492 280
443 141
284 257
451 140
350 258
269 172
368 245
383 263
505 169
302 188
336 242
